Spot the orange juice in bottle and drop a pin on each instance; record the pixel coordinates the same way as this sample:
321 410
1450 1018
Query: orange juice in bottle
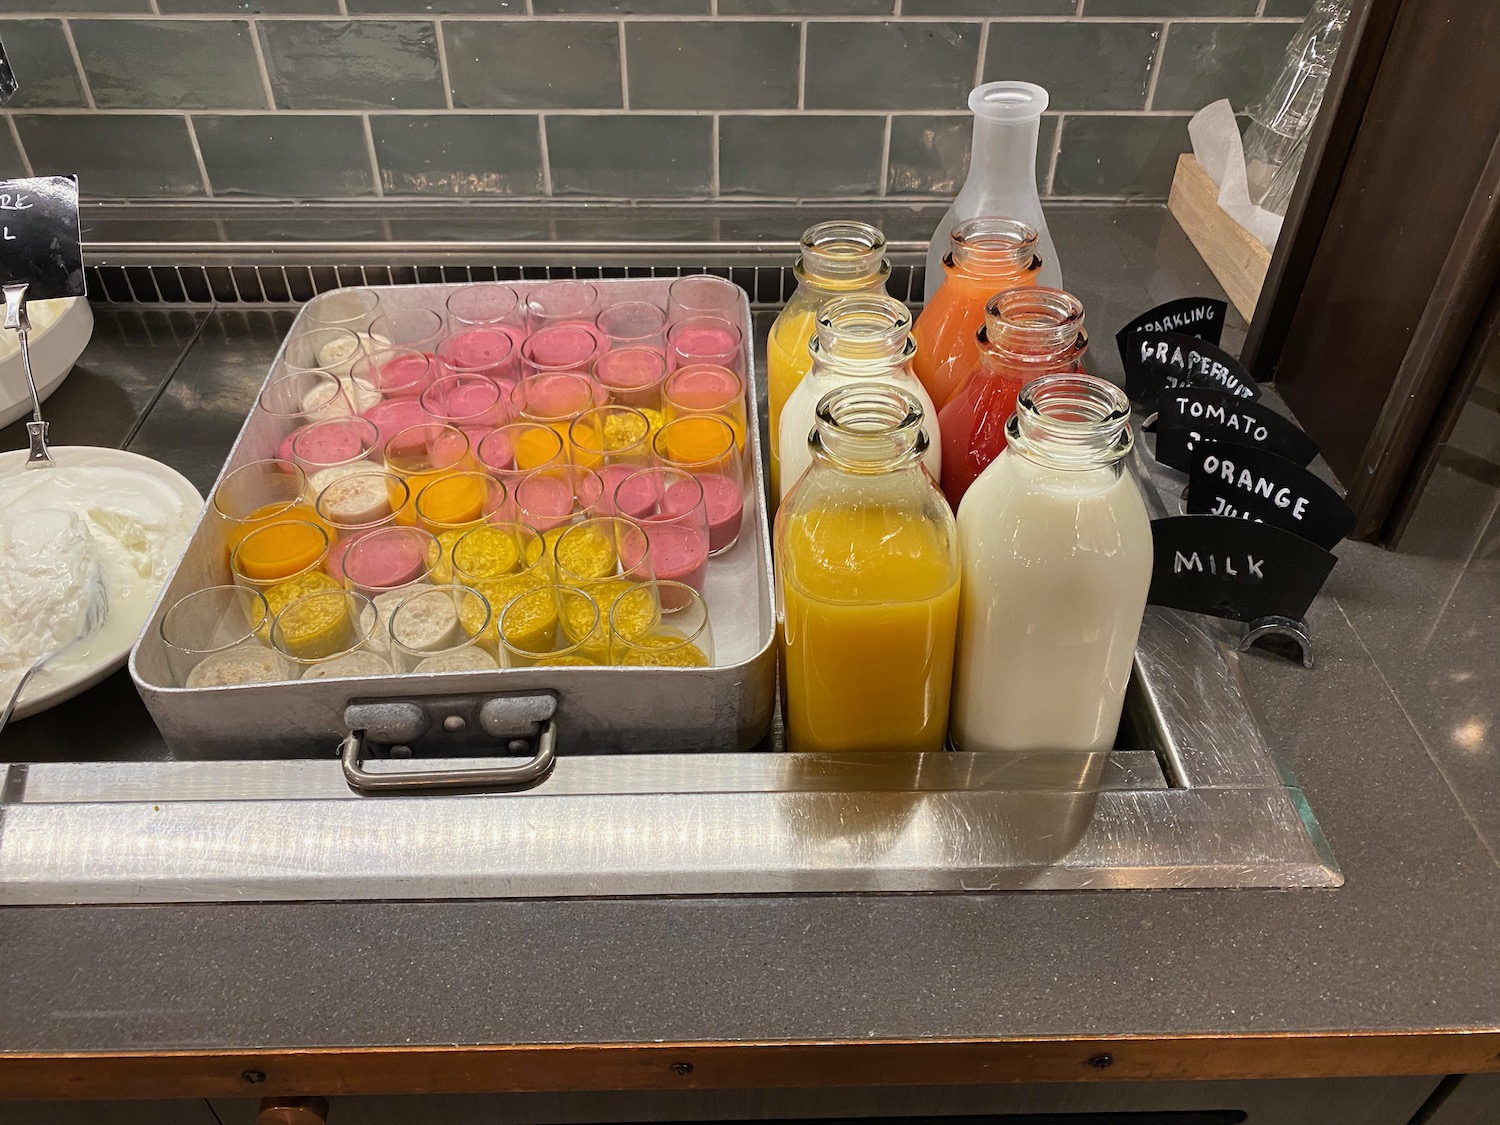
836 259
987 256
867 562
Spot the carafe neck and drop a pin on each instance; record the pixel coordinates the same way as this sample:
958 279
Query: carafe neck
1007 123
868 428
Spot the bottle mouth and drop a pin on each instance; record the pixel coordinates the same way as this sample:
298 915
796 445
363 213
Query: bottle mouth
1008 101
1071 421
863 326
1033 313
868 425
991 244
842 250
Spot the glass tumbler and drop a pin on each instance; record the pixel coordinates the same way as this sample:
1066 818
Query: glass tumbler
661 625
703 294
513 450
705 339
561 302
705 446
442 629
632 376
260 493
633 324
329 349
329 633
349 309
669 504
614 441
212 638
707 388
421 329
389 559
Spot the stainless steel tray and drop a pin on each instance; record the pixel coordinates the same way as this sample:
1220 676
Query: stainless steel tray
727 707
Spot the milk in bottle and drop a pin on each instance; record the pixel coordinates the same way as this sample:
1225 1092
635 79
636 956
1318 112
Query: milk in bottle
1055 551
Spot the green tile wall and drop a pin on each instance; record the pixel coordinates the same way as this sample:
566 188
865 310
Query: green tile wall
614 99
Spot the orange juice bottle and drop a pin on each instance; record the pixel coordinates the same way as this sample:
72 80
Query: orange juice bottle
867 562
836 259
987 255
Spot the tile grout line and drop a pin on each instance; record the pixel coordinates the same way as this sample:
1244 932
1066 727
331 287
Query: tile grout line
521 17
83 78
546 156
442 53
1156 64
1057 133
1078 11
713 142
364 119
15 135
1417 732
885 155
155 7
984 47
802 66
1260 8
260 61
506 111
192 132
624 68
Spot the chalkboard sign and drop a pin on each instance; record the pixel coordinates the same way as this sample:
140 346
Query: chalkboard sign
39 239
1254 485
7 78
1163 361
1234 569
1202 317
1189 415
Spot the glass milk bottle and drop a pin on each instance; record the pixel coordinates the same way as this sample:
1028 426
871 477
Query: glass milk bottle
1027 333
987 256
1002 173
867 566
865 338
836 259
1056 554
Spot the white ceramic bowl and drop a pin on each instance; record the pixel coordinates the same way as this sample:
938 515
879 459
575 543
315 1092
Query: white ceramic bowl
56 343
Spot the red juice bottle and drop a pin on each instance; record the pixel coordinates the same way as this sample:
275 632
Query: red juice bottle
1028 332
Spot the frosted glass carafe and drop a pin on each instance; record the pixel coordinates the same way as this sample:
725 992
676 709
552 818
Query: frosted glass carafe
864 338
1055 547
867 567
1002 174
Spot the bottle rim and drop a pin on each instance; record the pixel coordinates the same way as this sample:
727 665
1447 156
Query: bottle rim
842 251
1008 101
1071 421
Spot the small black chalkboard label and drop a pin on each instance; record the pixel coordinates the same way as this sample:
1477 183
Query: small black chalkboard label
7 78
1187 415
1163 361
39 240
1253 485
1234 569
1202 317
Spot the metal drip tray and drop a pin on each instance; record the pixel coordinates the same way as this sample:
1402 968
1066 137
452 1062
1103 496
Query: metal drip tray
1192 796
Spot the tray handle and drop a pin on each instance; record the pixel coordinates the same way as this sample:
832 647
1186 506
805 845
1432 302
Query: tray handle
500 718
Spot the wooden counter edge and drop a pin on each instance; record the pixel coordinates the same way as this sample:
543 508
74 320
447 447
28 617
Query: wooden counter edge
502 1069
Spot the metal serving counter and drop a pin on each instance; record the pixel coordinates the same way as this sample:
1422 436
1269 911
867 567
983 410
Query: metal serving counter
1390 974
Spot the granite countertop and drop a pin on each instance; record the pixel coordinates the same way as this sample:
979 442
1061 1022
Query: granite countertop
1393 737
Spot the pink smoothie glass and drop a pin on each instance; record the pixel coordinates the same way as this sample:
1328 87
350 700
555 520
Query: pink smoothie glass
560 347
478 351
632 376
561 302
668 503
513 450
550 498
705 339
704 445
474 403
392 558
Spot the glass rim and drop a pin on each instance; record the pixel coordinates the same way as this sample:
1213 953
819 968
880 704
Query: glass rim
385 449
657 358
605 411
356 420
492 503
234 555
375 471
232 589
332 382
432 549
691 369
731 447
617 523
287 468
470 639
561 445
362 634
520 529
518 394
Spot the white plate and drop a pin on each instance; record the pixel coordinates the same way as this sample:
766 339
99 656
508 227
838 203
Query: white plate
54 350
43 693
